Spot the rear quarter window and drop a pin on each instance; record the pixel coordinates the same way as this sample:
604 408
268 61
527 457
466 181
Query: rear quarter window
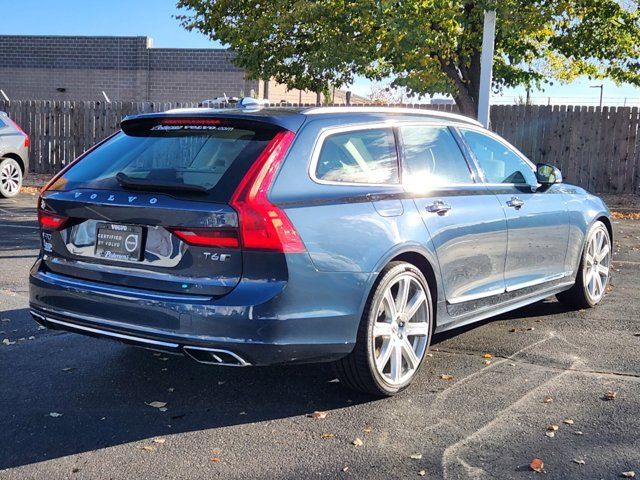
359 156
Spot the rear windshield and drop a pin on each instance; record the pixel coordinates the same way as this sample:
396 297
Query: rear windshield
211 159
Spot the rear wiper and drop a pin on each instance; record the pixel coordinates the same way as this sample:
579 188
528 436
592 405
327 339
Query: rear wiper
141 184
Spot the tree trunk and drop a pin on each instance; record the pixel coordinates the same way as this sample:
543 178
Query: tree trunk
318 98
467 81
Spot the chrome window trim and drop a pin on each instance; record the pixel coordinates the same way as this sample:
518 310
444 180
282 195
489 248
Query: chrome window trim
392 124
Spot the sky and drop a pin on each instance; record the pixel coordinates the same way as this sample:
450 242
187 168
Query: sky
155 19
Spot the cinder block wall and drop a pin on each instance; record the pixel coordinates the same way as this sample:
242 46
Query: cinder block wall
126 68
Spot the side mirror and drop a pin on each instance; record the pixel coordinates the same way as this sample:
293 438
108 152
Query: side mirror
548 174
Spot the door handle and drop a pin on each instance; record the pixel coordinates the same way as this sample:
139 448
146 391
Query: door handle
439 207
515 202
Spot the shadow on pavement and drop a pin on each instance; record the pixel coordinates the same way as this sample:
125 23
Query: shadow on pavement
102 389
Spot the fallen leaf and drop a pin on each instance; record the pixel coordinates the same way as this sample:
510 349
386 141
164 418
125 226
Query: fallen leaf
629 474
318 415
416 456
568 421
537 465
513 330
148 448
368 430
487 355
31 338
68 369
550 434
163 409
327 435
6 319
6 341
344 469
553 427
358 442
445 376
215 459
170 389
55 414
579 461
578 432
531 328
159 440
610 395
512 364
547 399
242 413
431 354
422 473
487 362
157 404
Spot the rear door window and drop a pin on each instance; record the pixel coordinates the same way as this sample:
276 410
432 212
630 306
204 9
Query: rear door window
213 159
432 157
359 156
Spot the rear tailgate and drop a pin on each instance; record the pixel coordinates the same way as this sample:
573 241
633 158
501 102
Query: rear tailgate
125 239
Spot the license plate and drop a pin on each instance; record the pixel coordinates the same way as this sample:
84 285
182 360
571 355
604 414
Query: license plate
119 242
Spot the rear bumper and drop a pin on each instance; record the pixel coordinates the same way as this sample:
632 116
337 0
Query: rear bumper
293 326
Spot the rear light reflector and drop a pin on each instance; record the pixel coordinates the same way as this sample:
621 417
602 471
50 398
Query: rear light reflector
264 226
51 221
208 237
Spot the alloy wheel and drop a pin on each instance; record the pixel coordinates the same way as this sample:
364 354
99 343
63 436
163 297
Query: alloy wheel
401 330
597 263
10 178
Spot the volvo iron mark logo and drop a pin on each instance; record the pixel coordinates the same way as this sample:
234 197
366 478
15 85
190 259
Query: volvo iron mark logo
131 243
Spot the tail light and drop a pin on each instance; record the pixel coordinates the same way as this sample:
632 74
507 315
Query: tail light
51 221
27 138
263 226
208 237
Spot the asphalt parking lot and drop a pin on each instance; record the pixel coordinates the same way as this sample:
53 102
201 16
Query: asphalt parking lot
77 407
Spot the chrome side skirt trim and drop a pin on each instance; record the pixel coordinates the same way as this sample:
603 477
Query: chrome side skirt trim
475 296
105 333
539 281
511 288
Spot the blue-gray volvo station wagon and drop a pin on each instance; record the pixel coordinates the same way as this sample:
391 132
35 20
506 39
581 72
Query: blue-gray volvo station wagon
345 235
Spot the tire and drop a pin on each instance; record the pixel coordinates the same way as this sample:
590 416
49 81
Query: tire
587 291
384 337
10 178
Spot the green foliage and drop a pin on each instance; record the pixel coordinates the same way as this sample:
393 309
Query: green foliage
426 46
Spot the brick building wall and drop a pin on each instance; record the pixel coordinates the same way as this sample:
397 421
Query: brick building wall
126 68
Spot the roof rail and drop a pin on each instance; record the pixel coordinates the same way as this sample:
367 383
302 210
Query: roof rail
406 111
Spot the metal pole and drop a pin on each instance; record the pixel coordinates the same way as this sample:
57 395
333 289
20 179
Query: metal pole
486 67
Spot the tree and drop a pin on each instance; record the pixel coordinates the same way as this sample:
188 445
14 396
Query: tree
425 46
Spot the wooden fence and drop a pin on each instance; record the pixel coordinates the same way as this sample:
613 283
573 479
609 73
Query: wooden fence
596 148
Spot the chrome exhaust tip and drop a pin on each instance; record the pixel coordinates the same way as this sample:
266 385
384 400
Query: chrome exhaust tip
215 356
